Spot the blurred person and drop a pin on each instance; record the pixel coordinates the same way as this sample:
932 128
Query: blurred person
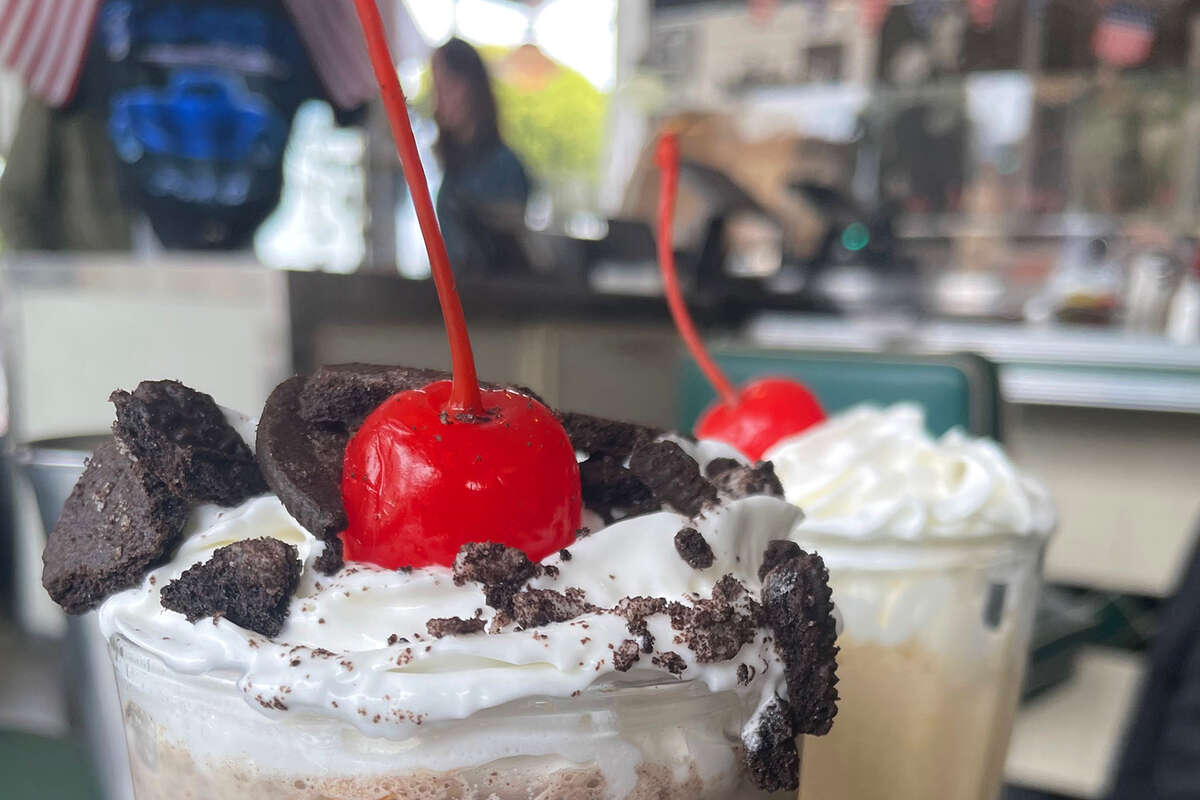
175 110
484 185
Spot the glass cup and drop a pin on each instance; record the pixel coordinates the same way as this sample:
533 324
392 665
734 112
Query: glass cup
194 736
934 643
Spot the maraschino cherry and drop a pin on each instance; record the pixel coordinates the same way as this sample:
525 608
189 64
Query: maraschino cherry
766 410
434 468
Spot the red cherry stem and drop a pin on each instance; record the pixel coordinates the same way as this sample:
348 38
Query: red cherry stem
464 393
667 158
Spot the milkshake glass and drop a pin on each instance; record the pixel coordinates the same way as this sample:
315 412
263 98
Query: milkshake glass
934 548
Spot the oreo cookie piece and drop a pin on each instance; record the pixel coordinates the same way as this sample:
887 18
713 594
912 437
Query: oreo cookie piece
302 461
770 749
777 552
501 571
249 582
533 608
671 661
625 655
673 476
717 628
181 436
599 436
694 549
738 480
344 394
118 522
797 605
607 487
454 626
330 560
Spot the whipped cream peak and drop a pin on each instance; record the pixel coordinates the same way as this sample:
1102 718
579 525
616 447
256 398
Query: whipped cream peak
357 646
874 472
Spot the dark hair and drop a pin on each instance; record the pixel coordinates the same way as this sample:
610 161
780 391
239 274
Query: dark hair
463 62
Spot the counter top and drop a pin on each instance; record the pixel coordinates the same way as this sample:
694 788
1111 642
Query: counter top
1055 365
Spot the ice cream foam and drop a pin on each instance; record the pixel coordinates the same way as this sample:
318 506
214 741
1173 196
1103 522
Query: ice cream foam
875 472
357 646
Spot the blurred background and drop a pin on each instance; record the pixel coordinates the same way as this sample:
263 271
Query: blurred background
1007 190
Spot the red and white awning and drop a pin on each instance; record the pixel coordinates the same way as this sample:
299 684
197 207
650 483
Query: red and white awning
45 42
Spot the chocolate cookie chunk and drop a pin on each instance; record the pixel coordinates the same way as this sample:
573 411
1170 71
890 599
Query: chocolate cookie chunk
599 436
738 480
777 552
181 436
118 522
533 608
625 655
673 476
694 549
330 560
715 629
501 571
344 394
607 487
302 461
797 604
771 754
671 661
249 582
453 626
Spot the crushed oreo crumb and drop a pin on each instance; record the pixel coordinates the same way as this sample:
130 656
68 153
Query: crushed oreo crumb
738 480
694 549
182 437
799 611
499 620
249 582
565 554
625 655
719 466
777 552
501 571
673 476
533 608
597 436
330 560
344 394
117 523
670 661
453 626
745 674
608 487
635 610
770 749
717 628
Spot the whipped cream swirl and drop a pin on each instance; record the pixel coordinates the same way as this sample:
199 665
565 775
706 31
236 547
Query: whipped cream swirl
355 645
876 473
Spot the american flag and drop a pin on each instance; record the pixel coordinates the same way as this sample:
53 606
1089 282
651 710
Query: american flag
1124 35
45 41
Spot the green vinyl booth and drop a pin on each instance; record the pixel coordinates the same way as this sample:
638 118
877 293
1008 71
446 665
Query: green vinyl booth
957 390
